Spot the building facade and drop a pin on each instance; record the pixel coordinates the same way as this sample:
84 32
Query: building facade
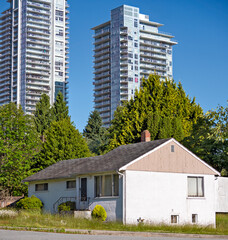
127 48
33 52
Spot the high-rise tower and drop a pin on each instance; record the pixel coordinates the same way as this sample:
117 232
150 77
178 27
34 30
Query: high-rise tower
127 48
33 51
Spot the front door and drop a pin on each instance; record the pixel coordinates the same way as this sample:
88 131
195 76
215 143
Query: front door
83 189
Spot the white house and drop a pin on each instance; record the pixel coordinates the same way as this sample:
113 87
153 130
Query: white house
156 181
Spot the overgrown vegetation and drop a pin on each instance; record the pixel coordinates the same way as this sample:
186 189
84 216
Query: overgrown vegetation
62 222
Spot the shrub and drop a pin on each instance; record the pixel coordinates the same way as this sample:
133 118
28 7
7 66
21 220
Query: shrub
66 206
30 203
99 213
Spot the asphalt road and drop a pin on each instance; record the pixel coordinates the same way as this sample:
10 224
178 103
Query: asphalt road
24 235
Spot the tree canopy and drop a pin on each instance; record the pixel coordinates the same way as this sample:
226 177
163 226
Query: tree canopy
19 143
42 115
60 109
162 107
63 142
95 134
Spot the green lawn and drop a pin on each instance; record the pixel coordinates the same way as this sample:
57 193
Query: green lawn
34 220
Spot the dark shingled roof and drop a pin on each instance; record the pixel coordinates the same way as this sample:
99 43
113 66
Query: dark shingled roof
111 161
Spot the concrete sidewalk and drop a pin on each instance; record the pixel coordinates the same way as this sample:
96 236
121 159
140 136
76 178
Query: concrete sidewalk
119 233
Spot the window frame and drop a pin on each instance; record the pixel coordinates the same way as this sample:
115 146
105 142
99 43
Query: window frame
67 184
98 191
45 187
197 187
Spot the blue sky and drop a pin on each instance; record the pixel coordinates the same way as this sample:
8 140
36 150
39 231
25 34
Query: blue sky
200 59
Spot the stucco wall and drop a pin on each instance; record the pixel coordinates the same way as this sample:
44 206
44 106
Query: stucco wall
222 195
57 189
155 196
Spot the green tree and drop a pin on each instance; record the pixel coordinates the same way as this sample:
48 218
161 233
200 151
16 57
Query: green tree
95 134
63 142
209 139
160 106
60 108
42 115
19 143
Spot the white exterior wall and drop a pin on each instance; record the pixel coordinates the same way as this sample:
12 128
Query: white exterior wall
222 195
56 189
155 196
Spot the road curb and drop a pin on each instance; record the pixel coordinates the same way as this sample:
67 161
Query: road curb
116 233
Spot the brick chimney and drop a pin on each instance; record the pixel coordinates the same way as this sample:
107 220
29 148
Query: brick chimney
145 136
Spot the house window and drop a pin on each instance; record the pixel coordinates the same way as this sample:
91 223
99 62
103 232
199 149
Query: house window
172 148
41 187
195 187
194 218
174 218
107 185
71 184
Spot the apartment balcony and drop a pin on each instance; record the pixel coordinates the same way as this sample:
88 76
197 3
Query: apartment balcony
5 78
103 104
4 100
151 61
102 81
102 69
38 46
123 74
6 68
153 50
101 40
39 11
37 77
152 44
38 41
124 85
4 74
4 94
103 86
101 64
31 103
39 5
102 75
152 55
101 58
123 81
39 26
35 20
38 36
102 92
37 88
5 35
35 98
123 39
123 93
4 89
148 72
102 52
104 109
38 16
153 67
4 84
100 47
102 33
38 68
102 98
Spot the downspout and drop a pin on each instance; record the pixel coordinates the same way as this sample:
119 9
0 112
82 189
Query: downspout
124 195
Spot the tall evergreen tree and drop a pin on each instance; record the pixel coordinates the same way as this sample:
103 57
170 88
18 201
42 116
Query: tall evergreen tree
60 108
42 115
63 142
155 107
19 143
95 134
